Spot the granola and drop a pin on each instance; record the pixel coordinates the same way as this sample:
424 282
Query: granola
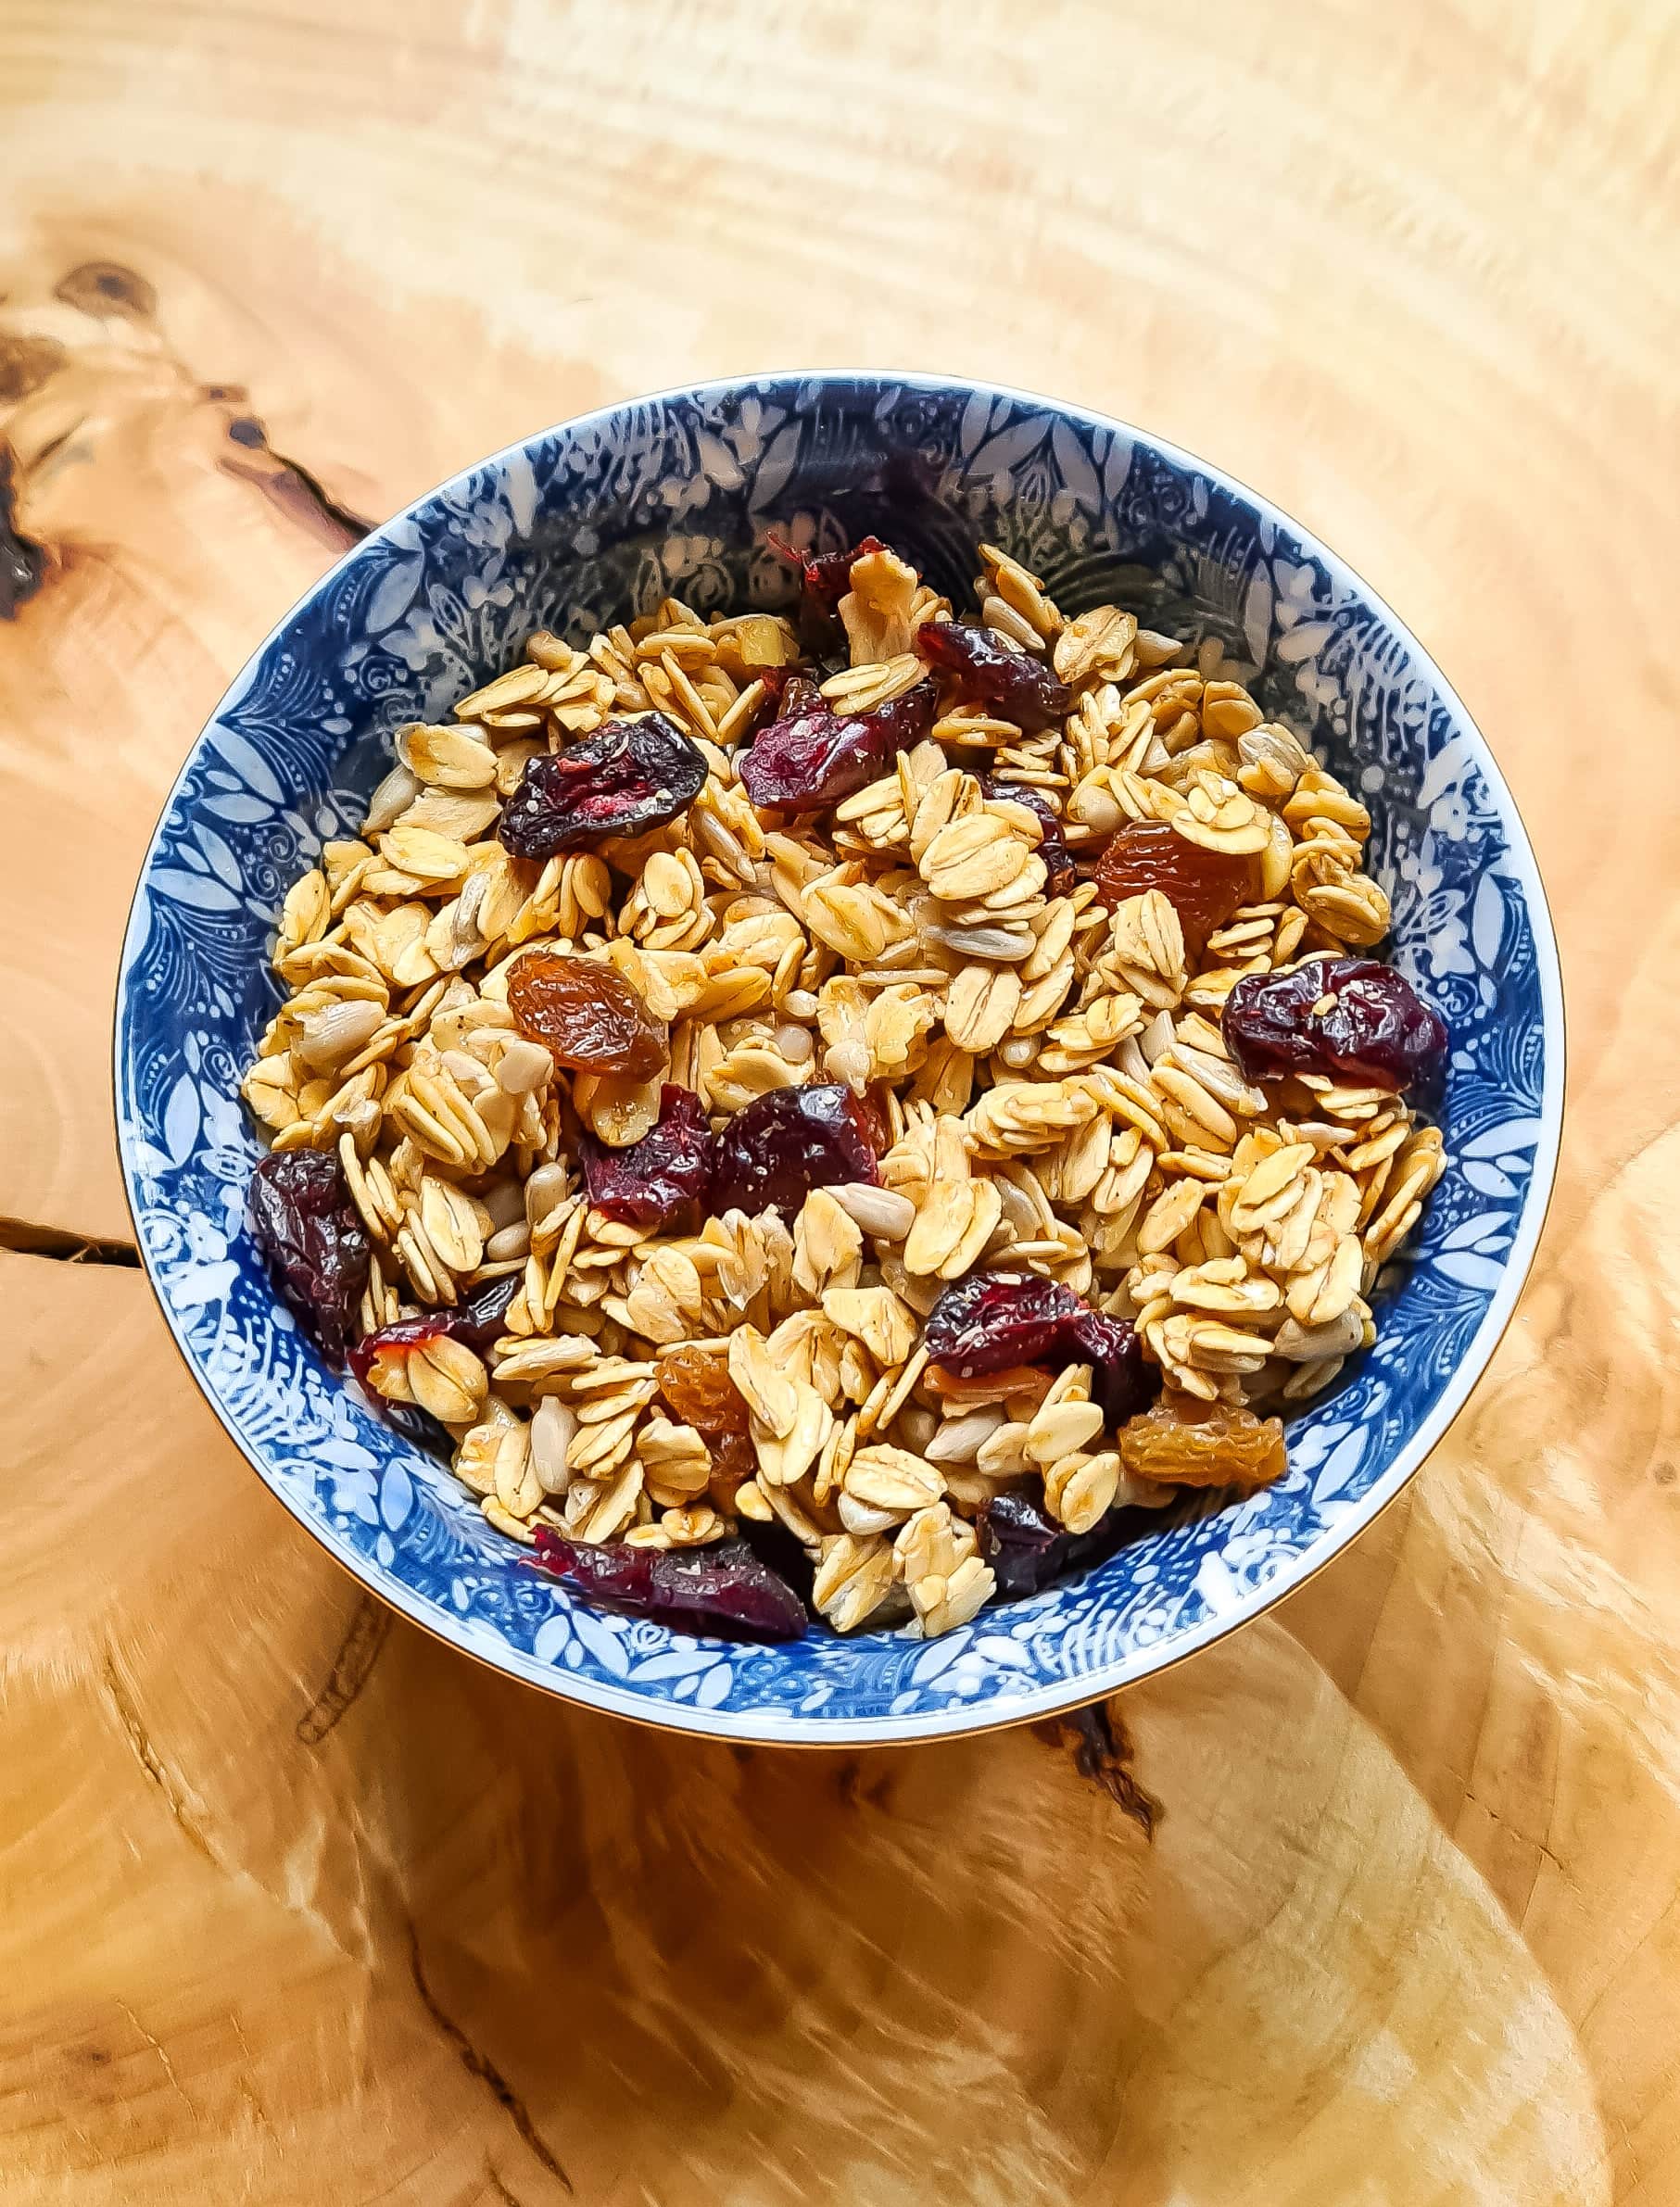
983 1131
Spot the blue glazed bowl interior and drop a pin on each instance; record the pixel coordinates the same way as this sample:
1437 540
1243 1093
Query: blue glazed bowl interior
583 526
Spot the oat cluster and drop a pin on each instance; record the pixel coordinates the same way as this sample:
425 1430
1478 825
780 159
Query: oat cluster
1052 1086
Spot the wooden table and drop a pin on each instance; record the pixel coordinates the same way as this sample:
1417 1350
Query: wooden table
1376 1902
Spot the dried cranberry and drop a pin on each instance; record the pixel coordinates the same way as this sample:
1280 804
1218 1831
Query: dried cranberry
1019 1542
792 753
901 723
481 1317
418 1427
1374 1030
1061 876
1122 1381
724 1591
990 1320
780 1146
824 574
809 757
661 1182
777 680
1021 686
629 777
824 578
876 1117
1029 1551
775 1546
313 1242
406 1333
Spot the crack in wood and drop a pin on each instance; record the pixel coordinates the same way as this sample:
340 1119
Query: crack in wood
480 2066
147 1756
23 1239
300 494
248 2094
498 2185
55 445
1515 1831
351 1668
247 2091
161 2052
1104 1750
22 563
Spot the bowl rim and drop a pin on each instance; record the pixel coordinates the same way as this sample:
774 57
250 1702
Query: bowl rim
1034 1702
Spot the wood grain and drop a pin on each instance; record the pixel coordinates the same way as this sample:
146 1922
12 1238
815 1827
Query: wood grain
1374 1903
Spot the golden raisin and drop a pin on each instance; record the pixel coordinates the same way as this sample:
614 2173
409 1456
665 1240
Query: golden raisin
734 1460
586 1014
1204 886
1188 1443
696 1383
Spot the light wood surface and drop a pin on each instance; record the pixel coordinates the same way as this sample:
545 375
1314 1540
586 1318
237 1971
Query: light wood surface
1376 1902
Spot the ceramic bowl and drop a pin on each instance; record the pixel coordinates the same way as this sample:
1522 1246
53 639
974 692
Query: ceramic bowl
578 527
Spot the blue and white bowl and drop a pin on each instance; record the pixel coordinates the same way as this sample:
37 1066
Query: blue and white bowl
572 529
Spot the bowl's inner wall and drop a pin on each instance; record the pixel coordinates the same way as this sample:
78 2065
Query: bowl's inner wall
591 523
